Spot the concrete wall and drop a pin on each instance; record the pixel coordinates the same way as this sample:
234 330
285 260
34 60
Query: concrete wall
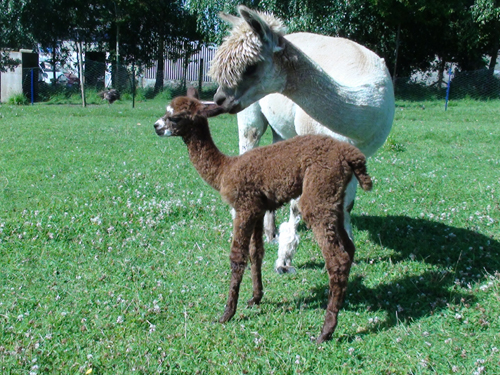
18 81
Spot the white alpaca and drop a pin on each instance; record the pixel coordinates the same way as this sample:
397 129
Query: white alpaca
299 84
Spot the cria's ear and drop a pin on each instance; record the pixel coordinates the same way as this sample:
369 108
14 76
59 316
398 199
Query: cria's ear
192 92
210 109
261 28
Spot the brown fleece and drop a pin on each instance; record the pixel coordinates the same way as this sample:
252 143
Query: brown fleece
317 168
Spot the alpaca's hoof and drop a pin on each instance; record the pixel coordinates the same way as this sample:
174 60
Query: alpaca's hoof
322 338
285 269
273 239
228 314
253 301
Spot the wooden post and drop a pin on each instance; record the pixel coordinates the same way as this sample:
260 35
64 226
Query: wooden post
80 70
133 83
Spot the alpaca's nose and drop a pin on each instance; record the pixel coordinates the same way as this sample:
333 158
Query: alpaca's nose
219 98
159 124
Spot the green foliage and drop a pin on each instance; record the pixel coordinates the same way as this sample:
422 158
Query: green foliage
486 11
13 32
18 99
426 28
114 254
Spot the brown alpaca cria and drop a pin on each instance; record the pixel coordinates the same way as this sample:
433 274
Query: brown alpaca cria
263 179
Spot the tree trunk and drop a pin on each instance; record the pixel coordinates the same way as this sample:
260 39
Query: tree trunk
117 83
80 71
160 74
184 71
54 61
494 57
394 73
441 67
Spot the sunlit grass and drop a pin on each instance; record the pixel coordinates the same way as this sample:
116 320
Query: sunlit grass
114 253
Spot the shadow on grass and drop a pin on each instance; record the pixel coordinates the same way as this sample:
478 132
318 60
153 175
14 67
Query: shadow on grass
468 252
459 256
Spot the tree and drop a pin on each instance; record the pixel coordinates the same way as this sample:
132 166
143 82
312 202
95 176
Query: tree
486 14
51 22
12 32
150 29
409 34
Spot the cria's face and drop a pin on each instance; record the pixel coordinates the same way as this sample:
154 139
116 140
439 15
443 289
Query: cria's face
168 125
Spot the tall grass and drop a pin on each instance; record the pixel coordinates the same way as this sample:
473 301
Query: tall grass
114 253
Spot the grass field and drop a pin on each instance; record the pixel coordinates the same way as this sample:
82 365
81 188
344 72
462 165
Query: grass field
114 253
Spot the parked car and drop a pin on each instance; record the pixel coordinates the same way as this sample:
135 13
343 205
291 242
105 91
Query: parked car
63 77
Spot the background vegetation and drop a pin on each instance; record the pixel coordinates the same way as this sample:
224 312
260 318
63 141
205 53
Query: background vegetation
411 35
114 253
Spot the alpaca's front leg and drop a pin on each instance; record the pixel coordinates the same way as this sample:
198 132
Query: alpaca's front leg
242 232
256 256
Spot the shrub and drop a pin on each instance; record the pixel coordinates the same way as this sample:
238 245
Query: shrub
18 99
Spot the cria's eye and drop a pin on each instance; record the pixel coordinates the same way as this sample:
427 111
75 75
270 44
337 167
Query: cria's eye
251 69
174 119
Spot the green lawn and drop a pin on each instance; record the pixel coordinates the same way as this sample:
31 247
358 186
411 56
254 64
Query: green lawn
114 253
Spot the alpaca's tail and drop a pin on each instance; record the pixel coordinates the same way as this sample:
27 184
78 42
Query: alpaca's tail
357 162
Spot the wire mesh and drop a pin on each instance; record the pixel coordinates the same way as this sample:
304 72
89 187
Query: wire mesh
45 85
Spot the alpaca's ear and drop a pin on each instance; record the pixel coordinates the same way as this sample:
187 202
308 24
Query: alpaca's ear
261 28
229 18
211 109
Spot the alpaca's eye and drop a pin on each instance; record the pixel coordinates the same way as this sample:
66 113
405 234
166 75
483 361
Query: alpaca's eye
251 69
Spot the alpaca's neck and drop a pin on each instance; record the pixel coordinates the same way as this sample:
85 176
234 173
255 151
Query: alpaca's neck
341 108
205 156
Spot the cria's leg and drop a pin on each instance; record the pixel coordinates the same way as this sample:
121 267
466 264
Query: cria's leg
242 232
322 207
256 256
338 251
288 240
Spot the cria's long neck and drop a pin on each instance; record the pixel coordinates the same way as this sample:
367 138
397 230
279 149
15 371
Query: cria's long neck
338 107
205 156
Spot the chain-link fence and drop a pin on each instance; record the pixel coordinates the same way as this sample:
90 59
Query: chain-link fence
477 84
61 85
45 84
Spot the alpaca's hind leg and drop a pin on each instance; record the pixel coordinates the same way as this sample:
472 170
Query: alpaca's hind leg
242 232
288 240
270 226
256 256
350 195
338 251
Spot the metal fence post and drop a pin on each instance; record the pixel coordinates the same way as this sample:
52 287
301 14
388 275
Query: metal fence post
448 90
32 88
200 76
